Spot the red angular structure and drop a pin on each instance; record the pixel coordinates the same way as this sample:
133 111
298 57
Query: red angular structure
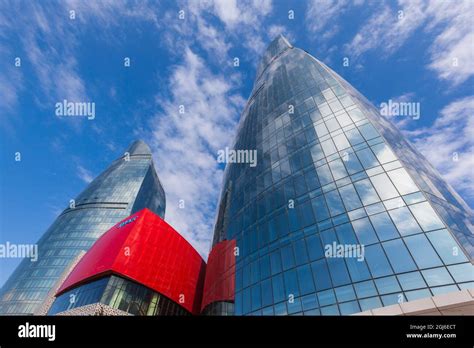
146 250
219 285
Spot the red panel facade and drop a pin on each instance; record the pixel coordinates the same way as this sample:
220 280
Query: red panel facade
145 249
220 274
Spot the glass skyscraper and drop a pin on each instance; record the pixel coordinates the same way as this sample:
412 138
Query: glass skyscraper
127 186
341 214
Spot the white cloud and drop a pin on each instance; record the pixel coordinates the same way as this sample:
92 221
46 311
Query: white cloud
321 13
450 137
186 145
84 174
450 22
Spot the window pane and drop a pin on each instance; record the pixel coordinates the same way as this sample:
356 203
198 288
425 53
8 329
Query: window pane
417 294
426 216
321 275
300 252
368 131
446 247
326 297
267 293
349 308
337 268
345 293
350 198
332 124
351 162
324 174
291 283
345 234
410 281
384 226
319 208
387 285
462 273
384 186
341 142
357 269
366 192
334 203
256 297
278 288
356 114
383 153
315 248
309 302
338 170
365 289
402 181
364 231
367 158
354 136
305 279
370 303
275 262
316 152
288 260
399 256
437 276
377 261
321 129
328 147
265 267
404 221
305 214
422 251
344 120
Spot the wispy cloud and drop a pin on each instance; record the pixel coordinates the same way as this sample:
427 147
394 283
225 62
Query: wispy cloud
450 22
321 13
185 145
84 174
449 144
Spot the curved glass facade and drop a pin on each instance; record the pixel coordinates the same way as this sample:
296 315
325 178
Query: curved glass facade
341 214
118 293
127 186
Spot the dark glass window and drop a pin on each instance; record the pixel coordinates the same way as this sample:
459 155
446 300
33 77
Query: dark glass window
322 280
275 262
278 288
305 279
287 257
315 248
291 284
301 254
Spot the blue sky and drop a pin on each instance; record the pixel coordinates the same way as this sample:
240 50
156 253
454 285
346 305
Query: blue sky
422 54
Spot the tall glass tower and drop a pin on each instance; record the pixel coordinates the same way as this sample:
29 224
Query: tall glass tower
127 186
341 214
